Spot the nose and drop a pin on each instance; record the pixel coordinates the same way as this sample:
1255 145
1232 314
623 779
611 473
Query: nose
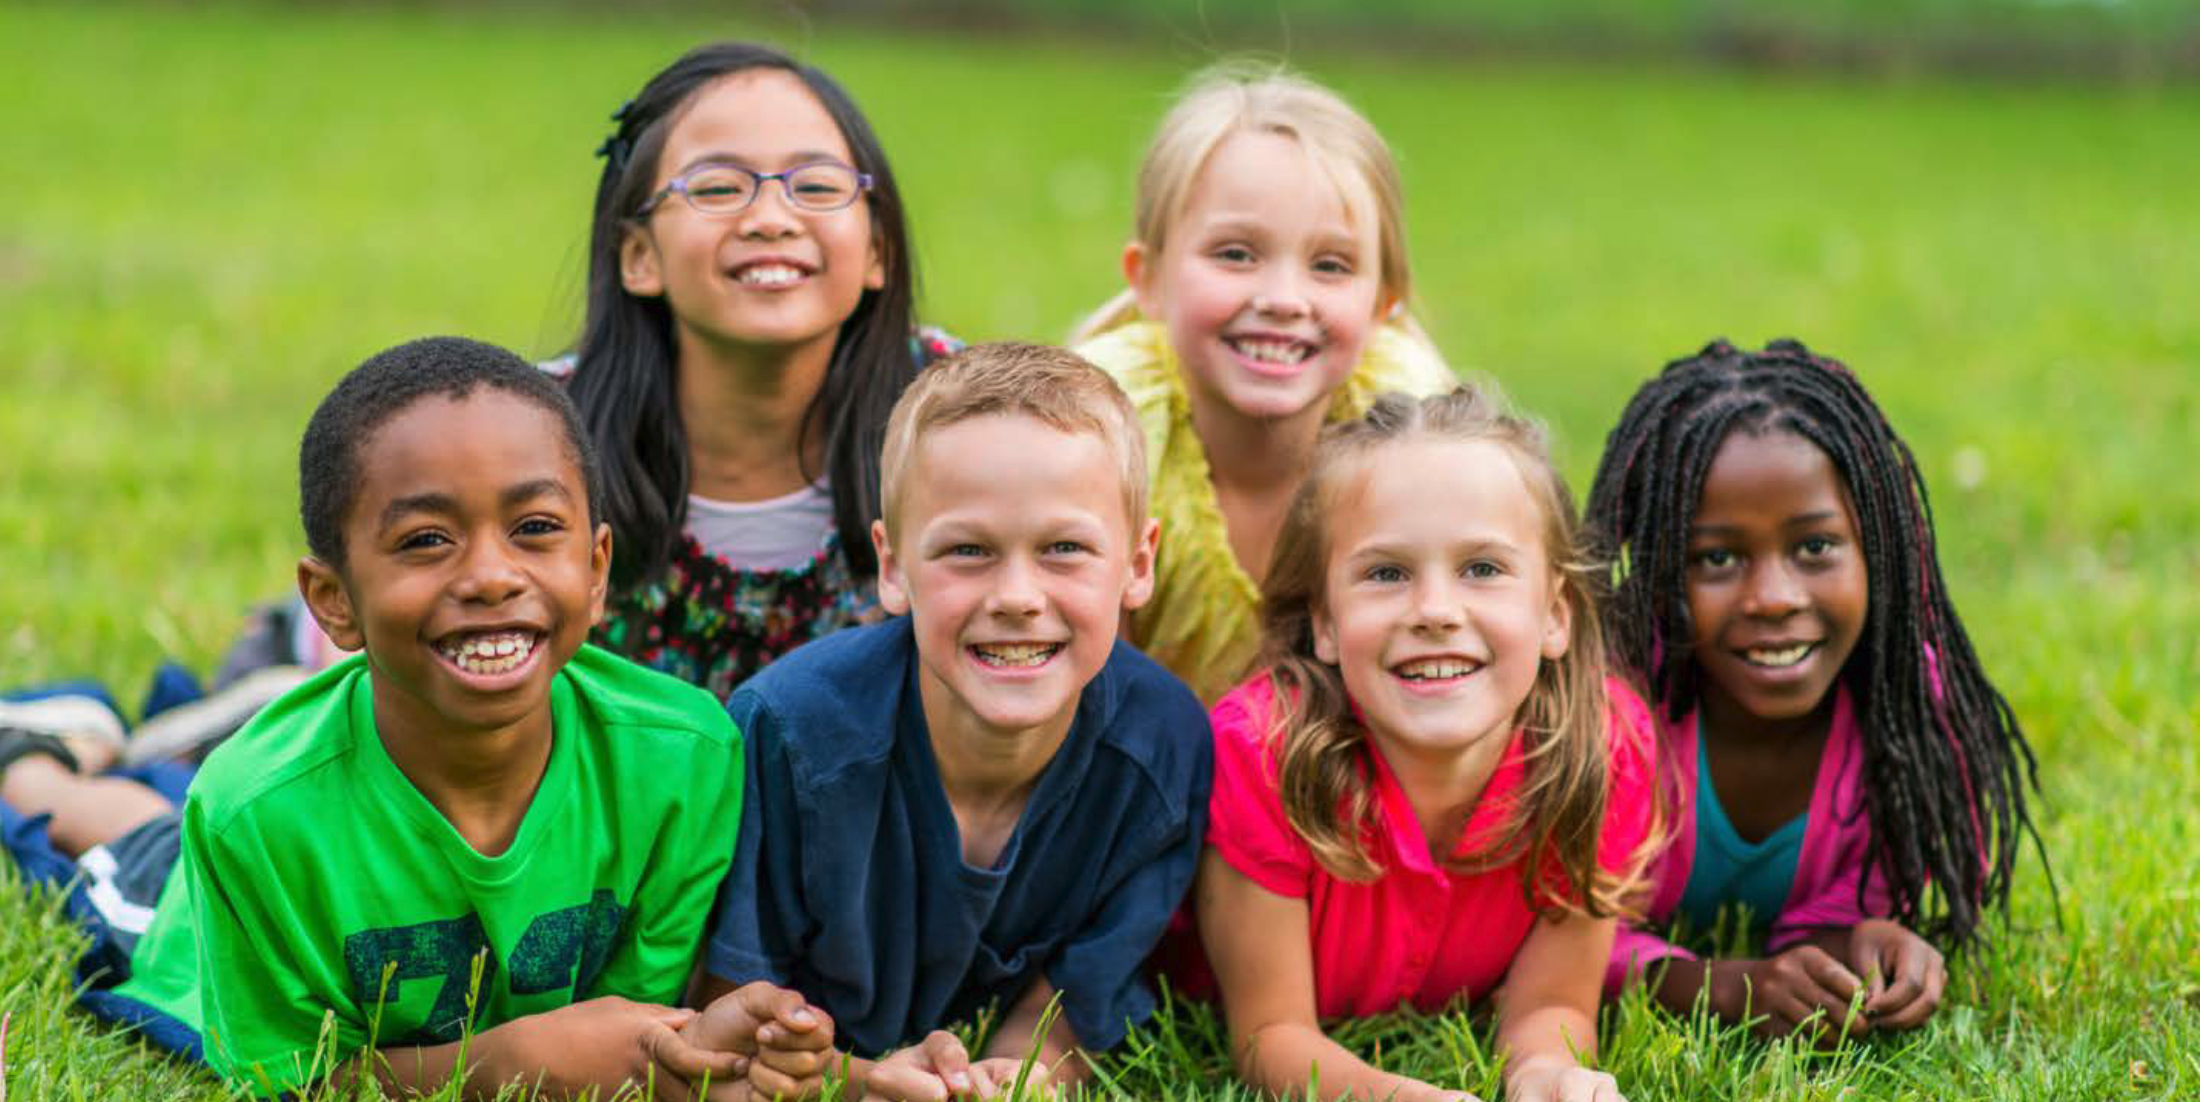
1017 590
1437 605
1282 295
770 214
489 574
1772 589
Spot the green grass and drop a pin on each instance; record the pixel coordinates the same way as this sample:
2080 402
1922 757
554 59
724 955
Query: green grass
210 214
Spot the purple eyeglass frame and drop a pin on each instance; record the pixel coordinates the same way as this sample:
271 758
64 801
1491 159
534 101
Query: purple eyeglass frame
681 184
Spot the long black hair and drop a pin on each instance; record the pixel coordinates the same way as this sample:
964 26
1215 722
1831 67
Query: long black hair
624 376
1946 766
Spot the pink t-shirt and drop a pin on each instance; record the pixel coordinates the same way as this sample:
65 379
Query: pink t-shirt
1418 934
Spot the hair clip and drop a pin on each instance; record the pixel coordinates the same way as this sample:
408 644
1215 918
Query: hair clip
617 147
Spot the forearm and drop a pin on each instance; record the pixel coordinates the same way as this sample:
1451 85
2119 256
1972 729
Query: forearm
1547 1036
1278 1058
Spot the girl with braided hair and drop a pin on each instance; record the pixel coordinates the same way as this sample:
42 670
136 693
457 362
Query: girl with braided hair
1837 760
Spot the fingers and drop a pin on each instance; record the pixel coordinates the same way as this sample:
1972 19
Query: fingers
789 1073
946 1056
1921 1006
798 1026
893 1081
1911 961
1816 981
678 1059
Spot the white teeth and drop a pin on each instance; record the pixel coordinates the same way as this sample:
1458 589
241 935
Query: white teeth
1015 654
1437 669
769 275
1778 656
1277 352
493 653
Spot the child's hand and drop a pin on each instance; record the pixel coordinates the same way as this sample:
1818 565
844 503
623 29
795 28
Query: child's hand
601 1044
938 1069
1905 974
787 1040
1786 990
1554 1080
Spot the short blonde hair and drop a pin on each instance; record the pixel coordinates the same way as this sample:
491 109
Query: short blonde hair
1054 386
1243 98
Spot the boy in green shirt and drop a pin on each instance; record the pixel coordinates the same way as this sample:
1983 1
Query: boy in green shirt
479 825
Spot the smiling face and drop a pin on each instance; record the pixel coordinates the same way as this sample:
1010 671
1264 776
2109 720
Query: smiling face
1439 602
1775 579
1267 283
1015 558
772 274
471 573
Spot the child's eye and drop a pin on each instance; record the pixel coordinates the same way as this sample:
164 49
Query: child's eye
1064 547
1482 568
1713 558
965 551
538 526
1386 574
1334 265
1233 254
422 540
1814 547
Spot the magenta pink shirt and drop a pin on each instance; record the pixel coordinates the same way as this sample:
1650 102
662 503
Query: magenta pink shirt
1418 934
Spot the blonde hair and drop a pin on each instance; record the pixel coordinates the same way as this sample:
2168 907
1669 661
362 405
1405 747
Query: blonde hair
1243 98
1324 768
1054 386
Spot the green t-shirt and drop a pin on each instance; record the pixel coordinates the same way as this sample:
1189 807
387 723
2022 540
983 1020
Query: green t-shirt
310 864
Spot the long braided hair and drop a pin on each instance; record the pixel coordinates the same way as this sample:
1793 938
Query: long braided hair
624 380
1945 764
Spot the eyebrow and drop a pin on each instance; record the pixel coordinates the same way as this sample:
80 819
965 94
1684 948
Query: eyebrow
443 504
799 157
1402 551
1818 516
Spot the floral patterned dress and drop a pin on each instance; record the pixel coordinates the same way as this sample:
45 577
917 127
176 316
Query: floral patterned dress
711 624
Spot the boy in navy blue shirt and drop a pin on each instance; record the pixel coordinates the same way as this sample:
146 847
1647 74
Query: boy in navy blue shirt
989 800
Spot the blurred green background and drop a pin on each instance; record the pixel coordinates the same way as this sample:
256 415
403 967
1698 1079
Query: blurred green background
1987 207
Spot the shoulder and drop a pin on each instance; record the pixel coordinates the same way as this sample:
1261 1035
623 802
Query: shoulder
834 699
1240 727
1151 718
618 695
285 753
1395 358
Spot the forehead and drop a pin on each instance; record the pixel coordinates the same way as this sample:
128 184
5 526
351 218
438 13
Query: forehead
468 449
1436 491
1010 469
1280 181
760 118
1769 476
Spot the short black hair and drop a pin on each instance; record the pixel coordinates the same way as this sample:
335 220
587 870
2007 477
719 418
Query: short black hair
387 384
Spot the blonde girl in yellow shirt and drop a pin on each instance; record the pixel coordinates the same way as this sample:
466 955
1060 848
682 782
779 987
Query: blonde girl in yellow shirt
1267 294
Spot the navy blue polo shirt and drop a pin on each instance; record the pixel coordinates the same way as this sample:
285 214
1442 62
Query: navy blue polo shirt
849 882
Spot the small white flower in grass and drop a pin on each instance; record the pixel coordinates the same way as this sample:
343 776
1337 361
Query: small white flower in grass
1969 466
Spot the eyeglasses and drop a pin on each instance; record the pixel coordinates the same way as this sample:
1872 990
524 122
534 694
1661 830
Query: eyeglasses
819 187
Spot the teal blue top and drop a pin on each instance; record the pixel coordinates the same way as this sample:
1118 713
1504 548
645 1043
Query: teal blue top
1726 870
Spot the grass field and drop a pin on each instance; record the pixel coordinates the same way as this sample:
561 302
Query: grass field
211 213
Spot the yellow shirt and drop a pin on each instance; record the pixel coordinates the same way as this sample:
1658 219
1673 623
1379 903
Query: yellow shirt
1202 622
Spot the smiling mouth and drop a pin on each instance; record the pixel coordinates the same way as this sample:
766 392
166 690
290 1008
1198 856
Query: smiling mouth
1436 669
489 652
1279 353
769 274
1777 658
1012 656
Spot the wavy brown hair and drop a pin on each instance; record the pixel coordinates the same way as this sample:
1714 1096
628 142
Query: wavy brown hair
1325 769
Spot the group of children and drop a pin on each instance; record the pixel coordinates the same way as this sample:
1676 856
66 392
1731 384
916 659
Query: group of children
1389 724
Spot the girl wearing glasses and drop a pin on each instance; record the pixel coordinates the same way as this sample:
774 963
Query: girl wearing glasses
749 327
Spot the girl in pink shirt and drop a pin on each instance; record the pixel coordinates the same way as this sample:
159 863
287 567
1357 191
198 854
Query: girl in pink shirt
1413 795
1844 772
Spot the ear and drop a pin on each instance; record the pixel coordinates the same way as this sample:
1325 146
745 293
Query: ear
1555 643
322 588
1324 634
895 593
600 572
1140 583
639 263
1139 267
